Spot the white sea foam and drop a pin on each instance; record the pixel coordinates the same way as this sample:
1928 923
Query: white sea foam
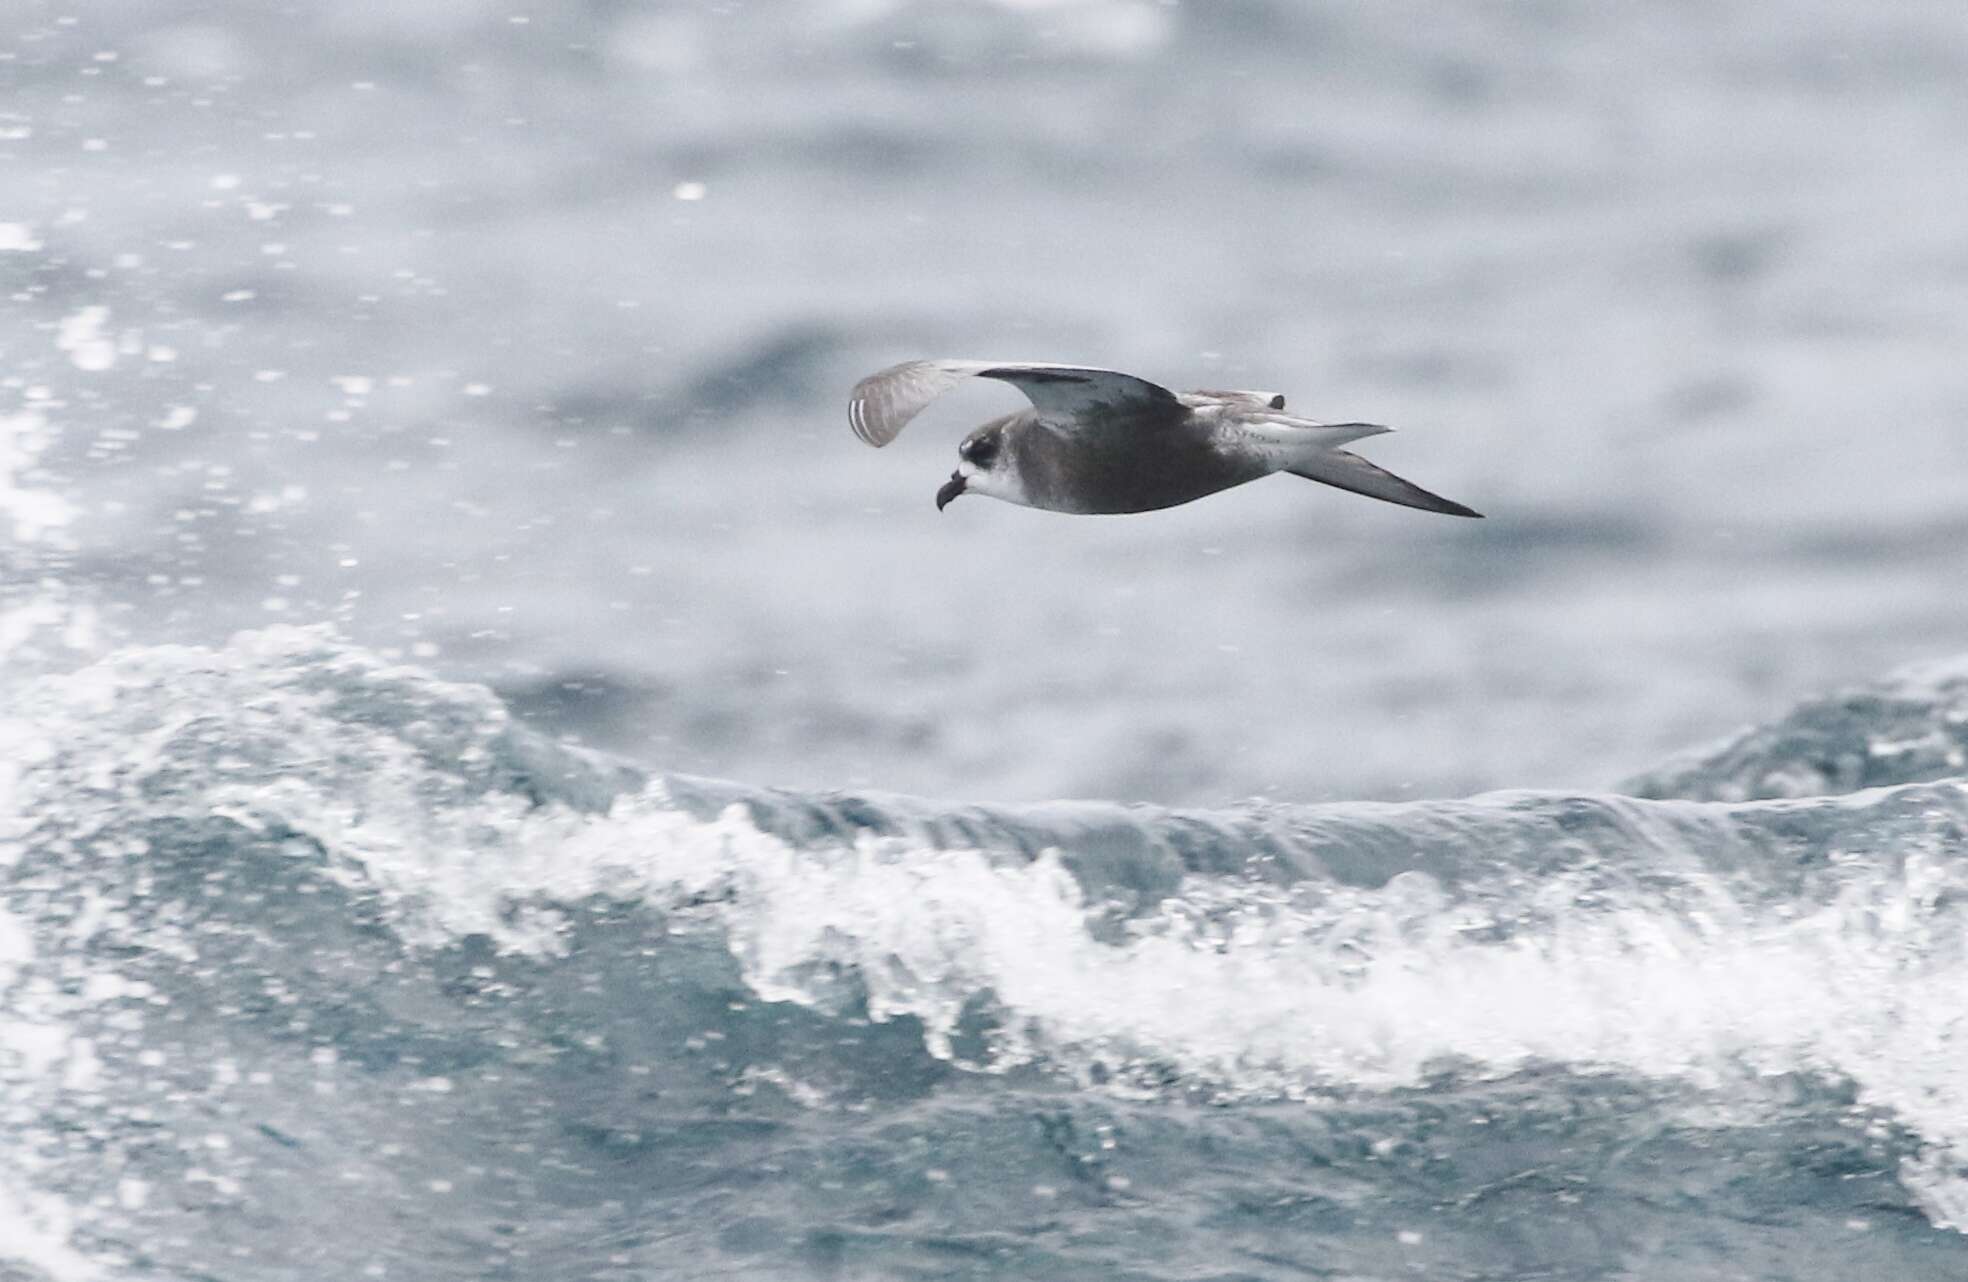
18 238
1237 988
37 1044
1266 994
37 513
35 1230
81 336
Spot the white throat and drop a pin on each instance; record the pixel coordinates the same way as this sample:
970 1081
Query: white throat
1001 482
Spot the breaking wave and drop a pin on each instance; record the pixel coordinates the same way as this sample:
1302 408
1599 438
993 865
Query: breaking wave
239 880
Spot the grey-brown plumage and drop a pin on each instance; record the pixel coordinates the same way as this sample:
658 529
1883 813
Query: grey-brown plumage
1097 441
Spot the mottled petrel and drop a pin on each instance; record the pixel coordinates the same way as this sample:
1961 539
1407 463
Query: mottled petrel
1096 441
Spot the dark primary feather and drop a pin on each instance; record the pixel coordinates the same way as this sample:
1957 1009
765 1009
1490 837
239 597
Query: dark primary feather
1348 471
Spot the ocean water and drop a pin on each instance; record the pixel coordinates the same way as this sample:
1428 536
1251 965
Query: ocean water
318 965
496 782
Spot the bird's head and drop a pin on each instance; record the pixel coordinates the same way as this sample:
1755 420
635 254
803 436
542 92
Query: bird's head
984 466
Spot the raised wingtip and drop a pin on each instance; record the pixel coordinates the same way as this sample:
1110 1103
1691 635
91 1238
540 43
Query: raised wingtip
882 404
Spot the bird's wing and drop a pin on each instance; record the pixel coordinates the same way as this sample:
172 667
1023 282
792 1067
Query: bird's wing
1351 472
1066 396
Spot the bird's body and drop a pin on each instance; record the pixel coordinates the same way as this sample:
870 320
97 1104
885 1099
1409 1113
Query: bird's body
1099 442
1128 462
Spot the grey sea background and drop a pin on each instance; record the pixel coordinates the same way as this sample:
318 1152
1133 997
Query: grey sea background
497 782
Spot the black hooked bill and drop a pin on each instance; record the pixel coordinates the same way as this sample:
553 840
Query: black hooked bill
951 488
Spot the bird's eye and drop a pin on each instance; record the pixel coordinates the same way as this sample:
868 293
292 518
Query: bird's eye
982 451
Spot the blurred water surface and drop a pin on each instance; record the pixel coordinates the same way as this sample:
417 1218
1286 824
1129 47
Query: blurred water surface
524 336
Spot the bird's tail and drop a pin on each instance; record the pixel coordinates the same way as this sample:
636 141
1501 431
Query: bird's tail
1330 435
1304 435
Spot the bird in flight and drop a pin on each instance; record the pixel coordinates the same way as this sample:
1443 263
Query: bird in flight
1097 441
